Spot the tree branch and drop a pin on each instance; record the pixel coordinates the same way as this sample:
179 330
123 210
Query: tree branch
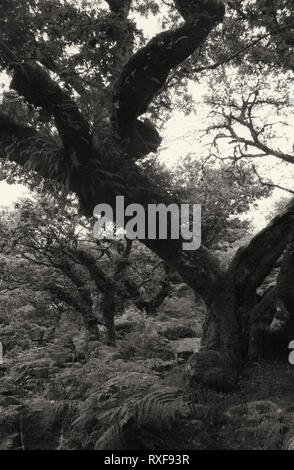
255 261
30 149
285 280
102 281
215 65
271 185
146 72
34 83
120 6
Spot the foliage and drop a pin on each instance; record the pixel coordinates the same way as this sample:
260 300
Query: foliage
129 407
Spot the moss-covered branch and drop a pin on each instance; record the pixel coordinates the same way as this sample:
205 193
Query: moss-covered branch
146 72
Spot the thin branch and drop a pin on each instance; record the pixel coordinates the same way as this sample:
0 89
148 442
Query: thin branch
233 56
270 185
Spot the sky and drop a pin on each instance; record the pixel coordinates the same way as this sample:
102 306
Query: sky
179 139
10 193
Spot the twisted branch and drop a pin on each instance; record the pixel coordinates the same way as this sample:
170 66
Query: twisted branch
146 72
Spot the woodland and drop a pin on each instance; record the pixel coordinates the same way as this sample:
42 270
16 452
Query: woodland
139 344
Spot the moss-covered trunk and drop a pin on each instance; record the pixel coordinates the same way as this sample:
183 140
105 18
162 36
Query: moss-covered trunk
241 326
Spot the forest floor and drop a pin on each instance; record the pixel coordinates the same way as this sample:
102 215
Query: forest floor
89 395
258 414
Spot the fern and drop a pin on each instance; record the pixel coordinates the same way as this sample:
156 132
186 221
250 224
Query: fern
8 442
129 403
158 408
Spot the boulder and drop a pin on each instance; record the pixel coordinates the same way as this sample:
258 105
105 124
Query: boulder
178 331
185 347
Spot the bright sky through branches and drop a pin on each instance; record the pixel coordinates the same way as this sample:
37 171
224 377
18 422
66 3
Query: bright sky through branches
180 137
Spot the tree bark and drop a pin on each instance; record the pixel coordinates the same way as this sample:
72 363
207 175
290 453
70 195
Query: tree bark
78 304
236 315
272 318
108 306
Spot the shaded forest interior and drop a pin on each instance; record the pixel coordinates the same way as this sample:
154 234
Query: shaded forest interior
115 344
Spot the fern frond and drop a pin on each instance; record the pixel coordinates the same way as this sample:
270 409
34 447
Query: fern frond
160 407
8 442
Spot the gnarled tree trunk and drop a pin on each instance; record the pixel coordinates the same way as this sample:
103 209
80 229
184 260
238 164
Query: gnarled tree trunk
238 320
